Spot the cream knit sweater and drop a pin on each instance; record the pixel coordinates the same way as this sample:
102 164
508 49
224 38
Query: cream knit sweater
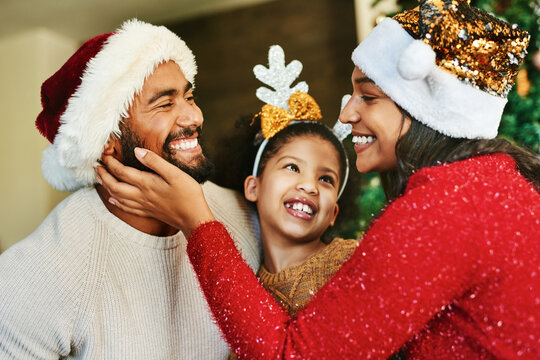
86 285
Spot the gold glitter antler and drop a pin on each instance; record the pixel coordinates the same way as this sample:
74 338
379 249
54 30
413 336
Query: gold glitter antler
280 77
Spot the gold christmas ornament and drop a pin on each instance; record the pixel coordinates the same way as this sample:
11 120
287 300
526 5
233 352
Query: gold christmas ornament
536 60
523 84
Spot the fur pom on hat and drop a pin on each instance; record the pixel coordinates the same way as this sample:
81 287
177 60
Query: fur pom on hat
416 61
448 64
84 102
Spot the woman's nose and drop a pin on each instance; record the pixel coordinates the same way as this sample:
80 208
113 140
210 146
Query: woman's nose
350 113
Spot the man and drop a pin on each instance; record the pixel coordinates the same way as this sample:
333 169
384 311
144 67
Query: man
93 282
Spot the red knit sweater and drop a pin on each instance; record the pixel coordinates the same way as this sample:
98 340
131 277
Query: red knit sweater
451 270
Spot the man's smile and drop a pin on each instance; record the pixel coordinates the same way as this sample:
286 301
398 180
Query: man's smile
184 144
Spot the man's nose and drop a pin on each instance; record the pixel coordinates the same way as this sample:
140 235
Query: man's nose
189 115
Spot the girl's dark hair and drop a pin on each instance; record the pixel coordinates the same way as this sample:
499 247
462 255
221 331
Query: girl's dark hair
300 129
422 147
236 155
241 149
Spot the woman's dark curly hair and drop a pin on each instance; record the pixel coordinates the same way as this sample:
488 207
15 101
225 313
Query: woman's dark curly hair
421 147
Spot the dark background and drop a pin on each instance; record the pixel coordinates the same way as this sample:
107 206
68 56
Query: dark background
319 33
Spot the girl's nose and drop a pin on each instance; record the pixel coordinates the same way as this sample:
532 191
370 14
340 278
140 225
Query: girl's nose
308 186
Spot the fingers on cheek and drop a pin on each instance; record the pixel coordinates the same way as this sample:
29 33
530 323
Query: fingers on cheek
118 173
114 202
113 189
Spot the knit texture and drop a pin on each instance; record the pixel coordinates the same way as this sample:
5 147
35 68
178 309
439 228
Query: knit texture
448 271
294 286
86 285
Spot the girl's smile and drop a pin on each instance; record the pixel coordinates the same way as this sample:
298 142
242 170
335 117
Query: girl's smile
301 208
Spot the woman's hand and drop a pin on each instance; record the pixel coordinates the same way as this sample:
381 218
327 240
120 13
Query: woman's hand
172 196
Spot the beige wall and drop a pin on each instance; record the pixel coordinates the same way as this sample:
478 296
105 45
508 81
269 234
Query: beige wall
368 15
26 60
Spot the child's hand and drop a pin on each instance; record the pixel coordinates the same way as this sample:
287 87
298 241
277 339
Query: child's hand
172 196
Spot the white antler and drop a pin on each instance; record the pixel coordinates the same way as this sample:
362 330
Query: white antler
340 129
279 77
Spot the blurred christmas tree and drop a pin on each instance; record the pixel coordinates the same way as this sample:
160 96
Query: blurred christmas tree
521 120
520 123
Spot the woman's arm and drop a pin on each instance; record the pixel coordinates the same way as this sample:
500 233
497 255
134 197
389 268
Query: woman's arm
383 295
409 266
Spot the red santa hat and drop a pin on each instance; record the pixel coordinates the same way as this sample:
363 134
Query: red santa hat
84 102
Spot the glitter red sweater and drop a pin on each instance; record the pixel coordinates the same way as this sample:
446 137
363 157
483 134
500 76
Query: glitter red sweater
450 270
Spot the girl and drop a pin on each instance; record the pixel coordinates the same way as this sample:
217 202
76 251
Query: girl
295 188
450 269
298 171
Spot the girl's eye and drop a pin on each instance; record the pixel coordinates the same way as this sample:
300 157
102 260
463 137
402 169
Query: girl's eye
292 167
327 179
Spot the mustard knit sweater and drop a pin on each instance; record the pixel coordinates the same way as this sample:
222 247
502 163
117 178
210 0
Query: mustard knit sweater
294 286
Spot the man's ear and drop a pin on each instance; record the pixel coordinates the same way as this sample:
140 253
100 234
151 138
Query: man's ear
250 188
336 211
113 147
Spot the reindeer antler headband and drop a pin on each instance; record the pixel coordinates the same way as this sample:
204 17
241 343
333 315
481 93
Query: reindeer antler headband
287 105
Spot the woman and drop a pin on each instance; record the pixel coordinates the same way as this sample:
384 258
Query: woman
450 269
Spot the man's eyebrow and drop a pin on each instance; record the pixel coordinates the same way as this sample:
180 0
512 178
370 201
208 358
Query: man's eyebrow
189 86
362 80
160 94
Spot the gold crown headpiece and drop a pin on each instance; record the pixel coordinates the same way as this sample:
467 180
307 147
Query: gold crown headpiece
478 48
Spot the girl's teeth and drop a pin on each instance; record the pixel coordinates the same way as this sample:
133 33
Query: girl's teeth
363 139
301 207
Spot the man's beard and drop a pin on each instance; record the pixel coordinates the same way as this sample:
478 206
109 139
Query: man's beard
200 171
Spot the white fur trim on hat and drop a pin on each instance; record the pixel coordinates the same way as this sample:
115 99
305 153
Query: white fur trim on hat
60 177
110 81
436 98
